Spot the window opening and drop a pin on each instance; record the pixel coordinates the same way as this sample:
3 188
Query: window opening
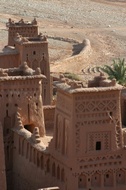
34 52
98 145
107 175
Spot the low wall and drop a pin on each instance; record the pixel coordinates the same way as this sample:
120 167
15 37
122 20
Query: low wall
31 164
74 60
84 52
63 39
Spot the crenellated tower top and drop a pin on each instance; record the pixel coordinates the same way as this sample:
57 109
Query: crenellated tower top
24 28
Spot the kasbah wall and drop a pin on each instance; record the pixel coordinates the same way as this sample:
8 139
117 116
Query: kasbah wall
88 146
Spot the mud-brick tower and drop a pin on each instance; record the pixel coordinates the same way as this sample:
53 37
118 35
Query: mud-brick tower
26 29
88 137
20 88
19 93
34 51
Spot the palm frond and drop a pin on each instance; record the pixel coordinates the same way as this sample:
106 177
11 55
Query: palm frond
117 70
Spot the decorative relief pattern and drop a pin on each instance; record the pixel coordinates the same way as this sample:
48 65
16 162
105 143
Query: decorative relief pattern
102 178
91 142
77 136
96 96
93 167
118 134
96 106
94 116
103 137
106 141
94 110
102 162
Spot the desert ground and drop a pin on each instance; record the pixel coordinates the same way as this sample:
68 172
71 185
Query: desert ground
102 22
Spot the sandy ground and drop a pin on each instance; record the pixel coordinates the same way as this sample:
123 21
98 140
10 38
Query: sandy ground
102 22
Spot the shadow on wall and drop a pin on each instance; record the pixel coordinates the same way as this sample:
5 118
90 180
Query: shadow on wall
29 127
77 48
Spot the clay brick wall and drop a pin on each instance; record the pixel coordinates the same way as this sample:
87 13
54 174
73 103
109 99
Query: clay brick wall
49 112
35 52
25 31
2 162
19 93
31 167
9 60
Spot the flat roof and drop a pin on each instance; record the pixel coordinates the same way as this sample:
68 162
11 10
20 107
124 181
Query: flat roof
71 90
7 50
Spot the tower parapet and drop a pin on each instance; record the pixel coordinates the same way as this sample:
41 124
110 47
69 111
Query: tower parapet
24 28
21 22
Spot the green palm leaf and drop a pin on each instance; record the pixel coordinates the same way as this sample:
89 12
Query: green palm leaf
116 71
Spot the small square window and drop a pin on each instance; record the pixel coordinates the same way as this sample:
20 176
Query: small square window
107 175
98 145
34 52
80 179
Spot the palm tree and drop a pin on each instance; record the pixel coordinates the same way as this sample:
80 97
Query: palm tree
116 71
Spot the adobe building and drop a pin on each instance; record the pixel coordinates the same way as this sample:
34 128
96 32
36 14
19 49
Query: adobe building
35 52
85 146
88 141
20 92
87 149
26 45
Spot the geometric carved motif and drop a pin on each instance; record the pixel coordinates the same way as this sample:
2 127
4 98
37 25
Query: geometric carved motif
91 142
103 137
98 105
118 133
106 141
97 109
109 157
95 118
77 138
